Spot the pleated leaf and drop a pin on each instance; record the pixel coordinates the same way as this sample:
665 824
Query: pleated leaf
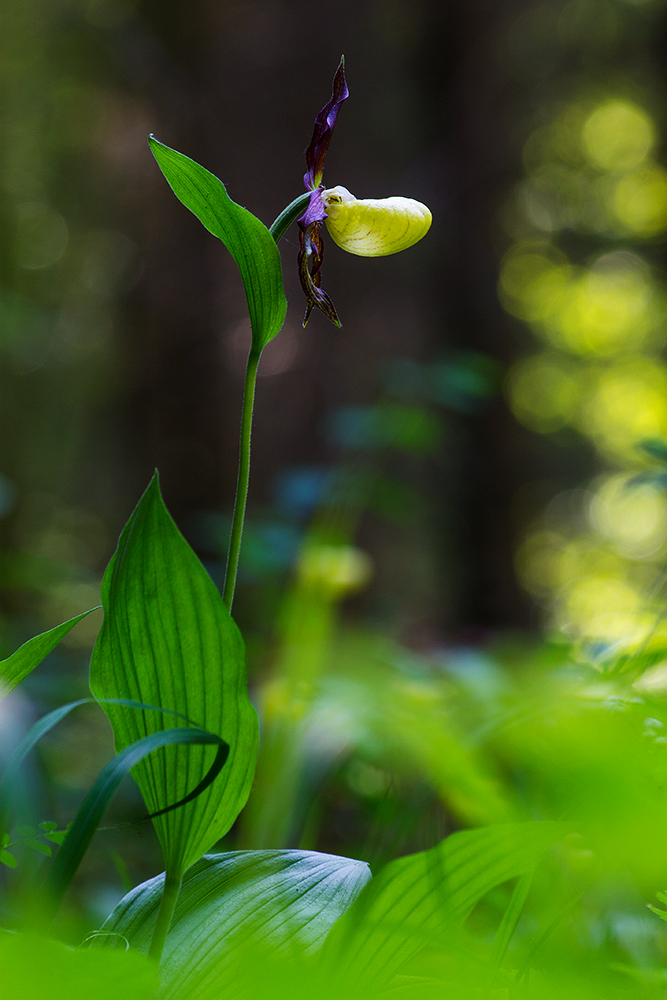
415 900
28 656
235 910
168 640
247 238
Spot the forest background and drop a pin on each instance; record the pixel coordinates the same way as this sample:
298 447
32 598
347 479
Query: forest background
468 436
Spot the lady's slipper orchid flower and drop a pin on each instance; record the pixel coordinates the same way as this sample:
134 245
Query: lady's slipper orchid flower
310 241
369 228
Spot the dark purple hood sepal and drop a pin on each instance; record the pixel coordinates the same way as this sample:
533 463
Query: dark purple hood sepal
310 242
324 124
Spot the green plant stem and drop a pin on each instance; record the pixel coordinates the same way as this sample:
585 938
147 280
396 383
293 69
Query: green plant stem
172 887
277 230
290 214
243 478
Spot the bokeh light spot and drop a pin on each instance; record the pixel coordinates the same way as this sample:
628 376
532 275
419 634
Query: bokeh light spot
544 392
628 404
338 568
640 200
606 608
534 281
609 308
633 518
618 135
41 236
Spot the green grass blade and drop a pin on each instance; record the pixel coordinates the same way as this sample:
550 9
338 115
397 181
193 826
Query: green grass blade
47 723
92 808
28 656
20 752
167 638
44 726
248 240
416 899
511 916
523 970
284 901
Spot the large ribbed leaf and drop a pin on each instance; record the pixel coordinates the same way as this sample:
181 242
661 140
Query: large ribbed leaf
168 640
238 907
415 900
248 240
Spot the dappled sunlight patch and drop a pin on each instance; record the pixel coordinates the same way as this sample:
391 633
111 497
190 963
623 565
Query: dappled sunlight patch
545 391
640 200
631 516
617 135
609 307
627 403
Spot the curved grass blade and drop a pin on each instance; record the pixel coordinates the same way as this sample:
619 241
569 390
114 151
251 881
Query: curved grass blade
28 656
44 726
20 752
92 808
523 970
511 916
247 239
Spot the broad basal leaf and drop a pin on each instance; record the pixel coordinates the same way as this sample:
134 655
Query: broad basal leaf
31 653
415 900
247 239
235 907
168 640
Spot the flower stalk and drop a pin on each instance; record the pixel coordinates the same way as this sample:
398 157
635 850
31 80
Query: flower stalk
243 478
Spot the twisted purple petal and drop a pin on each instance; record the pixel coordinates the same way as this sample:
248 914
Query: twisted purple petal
311 252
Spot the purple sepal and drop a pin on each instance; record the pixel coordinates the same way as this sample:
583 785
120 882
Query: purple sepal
324 123
315 211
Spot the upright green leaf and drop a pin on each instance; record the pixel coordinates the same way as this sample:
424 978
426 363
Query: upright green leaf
236 907
28 656
168 640
248 240
416 899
